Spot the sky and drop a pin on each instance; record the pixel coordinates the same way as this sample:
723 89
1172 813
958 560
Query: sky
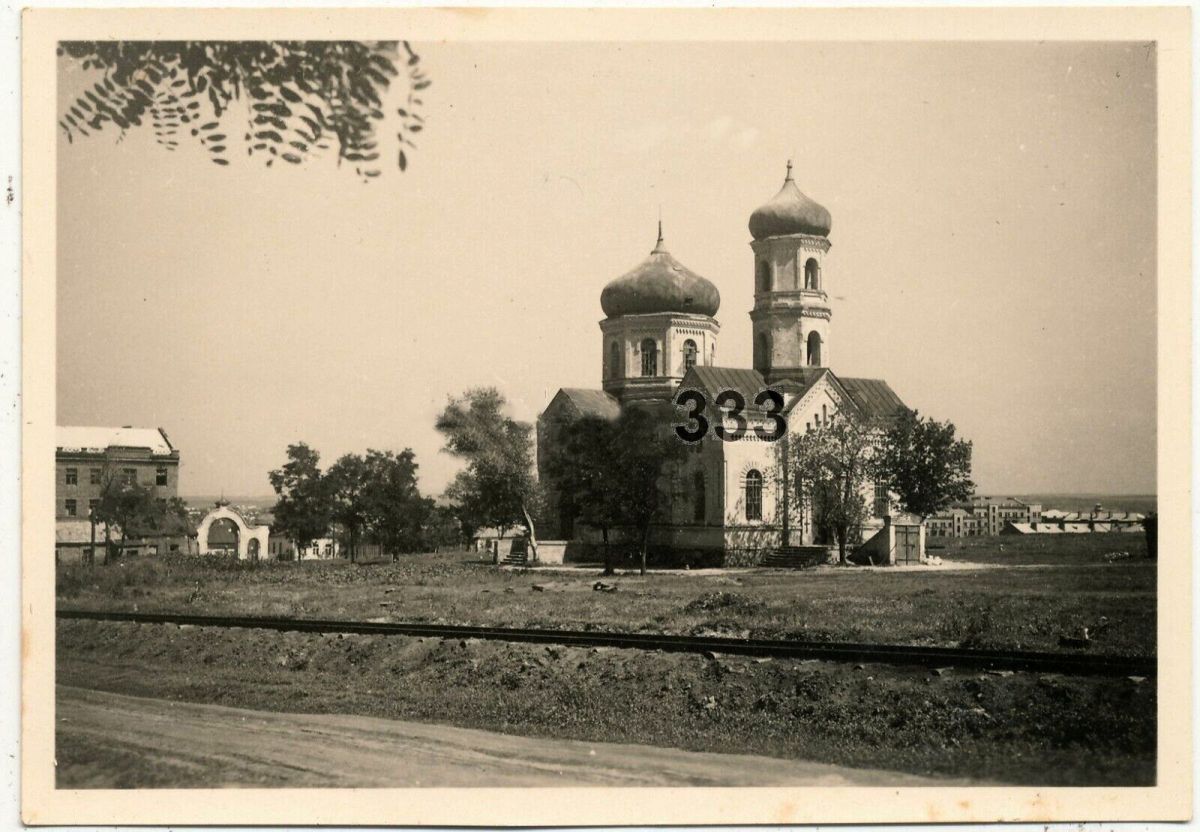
993 249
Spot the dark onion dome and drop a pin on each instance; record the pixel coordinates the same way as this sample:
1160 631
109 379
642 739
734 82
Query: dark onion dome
790 212
660 283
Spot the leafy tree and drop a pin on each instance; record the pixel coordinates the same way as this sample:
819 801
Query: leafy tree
498 487
442 528
579 467
395 511
645 447
135 511
925 465
299 97
832 466
304 509
347 484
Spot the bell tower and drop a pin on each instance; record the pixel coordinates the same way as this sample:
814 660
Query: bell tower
791 315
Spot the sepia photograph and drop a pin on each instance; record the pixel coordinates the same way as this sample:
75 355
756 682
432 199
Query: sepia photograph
606 411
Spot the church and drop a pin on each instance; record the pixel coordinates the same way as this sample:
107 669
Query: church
730 502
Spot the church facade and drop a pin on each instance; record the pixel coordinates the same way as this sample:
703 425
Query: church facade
730 502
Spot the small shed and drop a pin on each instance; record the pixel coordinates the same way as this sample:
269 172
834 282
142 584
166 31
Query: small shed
900 541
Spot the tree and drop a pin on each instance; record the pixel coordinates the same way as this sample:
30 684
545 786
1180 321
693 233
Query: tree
347 484
581 467
925 465
300 96
832 466
395 511
442 528
303 511
133 509
498 487
645 447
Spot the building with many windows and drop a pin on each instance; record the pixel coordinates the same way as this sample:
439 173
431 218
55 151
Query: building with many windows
982 516
85 458
731 502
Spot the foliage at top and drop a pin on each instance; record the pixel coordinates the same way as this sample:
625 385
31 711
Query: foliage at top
610 473
304 509
498 487
925 464
134 511
303 96
833 464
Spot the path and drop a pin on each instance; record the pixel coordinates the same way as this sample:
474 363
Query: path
108 740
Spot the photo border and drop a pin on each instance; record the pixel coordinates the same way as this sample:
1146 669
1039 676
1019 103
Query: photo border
1170 799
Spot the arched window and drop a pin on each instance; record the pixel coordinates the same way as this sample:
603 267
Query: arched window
649 358
689 354
614 360
698 491
762 351
754 485
764 276
812 274
814 350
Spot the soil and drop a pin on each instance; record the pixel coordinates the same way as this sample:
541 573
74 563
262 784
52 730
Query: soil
106 740
1019 728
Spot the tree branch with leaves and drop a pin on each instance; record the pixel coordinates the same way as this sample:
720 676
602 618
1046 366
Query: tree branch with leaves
300 97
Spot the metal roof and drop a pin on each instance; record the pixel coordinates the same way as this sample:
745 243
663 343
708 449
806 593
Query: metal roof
100 438
592 402
875 399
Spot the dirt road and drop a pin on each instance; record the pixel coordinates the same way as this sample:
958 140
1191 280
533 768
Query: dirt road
107 740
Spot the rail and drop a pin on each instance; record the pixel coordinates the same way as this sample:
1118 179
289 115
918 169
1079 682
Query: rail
1089 664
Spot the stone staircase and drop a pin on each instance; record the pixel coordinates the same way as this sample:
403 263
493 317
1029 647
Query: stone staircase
796 557
515 559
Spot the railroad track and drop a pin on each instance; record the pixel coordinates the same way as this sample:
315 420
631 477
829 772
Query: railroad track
1089 664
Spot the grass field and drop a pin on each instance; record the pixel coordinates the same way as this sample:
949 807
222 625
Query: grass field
1052 591
1057 549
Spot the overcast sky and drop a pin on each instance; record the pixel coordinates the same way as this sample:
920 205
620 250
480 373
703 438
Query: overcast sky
993 250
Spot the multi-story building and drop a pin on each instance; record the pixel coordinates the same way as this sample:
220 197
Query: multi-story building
86 458
981 516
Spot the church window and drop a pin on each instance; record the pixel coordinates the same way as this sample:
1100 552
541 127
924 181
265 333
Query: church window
764 276
649 358
698 488
814 350
689 354
824 414
762 351
882 499
754 486
812 274
614 360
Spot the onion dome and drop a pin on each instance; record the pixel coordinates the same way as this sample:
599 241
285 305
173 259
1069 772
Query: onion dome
660 283
790 212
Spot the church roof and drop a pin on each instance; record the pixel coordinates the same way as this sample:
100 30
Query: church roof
660 283
874 397
714 380
790 212
592 402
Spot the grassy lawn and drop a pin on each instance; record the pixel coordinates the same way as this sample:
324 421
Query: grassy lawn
1027 606
1020 728
1102 547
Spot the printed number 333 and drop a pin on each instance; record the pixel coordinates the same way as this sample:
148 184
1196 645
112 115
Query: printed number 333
733 402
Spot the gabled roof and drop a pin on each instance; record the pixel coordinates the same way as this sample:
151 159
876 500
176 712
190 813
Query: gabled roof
713 381
874 398
589 402
100 438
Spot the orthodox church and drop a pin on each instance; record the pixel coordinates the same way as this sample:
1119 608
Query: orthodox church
729 502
